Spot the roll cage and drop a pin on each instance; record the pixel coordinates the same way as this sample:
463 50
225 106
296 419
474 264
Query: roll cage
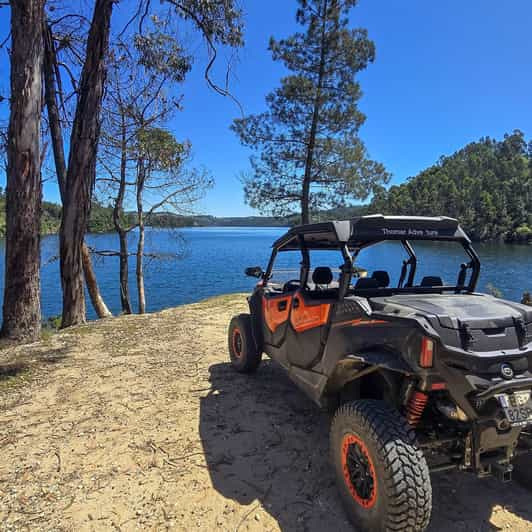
350 237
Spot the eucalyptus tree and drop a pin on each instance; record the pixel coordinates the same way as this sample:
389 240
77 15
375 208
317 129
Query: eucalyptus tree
137 99
219 22
309 153
82 53
148 171
21 308
163 180
52 80
81 166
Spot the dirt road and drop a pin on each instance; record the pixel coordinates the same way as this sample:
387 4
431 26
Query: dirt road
138 423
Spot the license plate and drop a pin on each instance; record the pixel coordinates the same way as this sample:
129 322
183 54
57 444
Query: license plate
517 407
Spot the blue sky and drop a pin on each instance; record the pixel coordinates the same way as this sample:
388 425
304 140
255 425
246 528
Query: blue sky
446 73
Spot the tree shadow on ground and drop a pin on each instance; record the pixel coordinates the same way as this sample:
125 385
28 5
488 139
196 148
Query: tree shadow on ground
12 369
265 441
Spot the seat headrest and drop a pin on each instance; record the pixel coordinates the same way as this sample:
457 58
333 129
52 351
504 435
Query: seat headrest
322 275
382 278
431 280
366 283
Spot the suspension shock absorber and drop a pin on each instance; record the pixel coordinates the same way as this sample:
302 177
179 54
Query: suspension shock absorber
415 407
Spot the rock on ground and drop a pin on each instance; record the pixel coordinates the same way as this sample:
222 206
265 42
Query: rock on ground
138 422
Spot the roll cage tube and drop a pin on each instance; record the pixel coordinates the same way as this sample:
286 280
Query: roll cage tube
347 267
474 265
346 272
412 262
305 264
266 276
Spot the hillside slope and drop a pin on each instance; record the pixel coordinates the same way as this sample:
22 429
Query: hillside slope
138 422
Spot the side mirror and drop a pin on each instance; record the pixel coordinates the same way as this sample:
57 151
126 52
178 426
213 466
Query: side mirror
254 271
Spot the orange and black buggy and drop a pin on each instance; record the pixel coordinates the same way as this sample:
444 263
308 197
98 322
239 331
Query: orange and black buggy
423 376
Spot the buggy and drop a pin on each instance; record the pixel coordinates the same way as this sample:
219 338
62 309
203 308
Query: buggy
423 376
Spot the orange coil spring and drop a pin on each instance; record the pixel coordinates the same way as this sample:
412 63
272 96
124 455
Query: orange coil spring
416 407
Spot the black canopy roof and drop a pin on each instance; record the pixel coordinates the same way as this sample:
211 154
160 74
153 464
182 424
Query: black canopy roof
365 230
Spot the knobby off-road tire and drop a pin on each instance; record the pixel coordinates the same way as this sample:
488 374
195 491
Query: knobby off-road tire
382 475
523 470
245 356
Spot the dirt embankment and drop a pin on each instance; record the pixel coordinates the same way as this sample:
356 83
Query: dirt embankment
139 423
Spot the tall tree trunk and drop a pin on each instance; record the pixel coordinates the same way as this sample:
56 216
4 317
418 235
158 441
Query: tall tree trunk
140 246
140 270
82 164
307 177
54 120
56 134
22 307
125 300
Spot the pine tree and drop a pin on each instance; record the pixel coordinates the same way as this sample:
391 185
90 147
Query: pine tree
310 155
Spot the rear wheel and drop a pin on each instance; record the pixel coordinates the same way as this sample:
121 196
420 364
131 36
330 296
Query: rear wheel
382 475
245 356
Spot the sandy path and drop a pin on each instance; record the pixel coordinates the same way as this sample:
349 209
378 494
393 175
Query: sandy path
138 423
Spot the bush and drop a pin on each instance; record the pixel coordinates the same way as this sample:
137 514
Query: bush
523 233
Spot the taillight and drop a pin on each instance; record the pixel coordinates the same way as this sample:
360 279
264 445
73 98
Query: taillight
426 357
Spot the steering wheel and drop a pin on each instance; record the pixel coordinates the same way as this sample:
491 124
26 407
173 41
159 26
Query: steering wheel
291 285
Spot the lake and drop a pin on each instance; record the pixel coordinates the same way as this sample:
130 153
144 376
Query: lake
212 260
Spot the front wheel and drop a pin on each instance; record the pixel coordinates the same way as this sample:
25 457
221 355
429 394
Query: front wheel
382 475
245 356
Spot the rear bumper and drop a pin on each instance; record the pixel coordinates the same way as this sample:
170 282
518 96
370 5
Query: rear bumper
503 387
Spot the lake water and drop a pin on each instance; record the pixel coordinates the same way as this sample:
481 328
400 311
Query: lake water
212 260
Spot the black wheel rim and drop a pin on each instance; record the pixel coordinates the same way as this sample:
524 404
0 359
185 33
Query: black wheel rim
237 343
359 471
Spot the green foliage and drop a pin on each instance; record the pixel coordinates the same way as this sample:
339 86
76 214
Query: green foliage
159 149
101 218
53 323
309 152
160 53
220 21
523 233
50 219
487 185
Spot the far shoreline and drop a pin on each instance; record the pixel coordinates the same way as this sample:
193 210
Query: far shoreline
503 241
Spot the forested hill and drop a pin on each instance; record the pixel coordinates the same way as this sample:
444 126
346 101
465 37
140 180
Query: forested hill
50 220
101 219
487 185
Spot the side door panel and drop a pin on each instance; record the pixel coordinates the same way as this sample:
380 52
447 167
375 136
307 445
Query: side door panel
276 311
308 315
308 330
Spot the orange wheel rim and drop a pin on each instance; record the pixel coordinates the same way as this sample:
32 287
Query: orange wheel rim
359 472
237 343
